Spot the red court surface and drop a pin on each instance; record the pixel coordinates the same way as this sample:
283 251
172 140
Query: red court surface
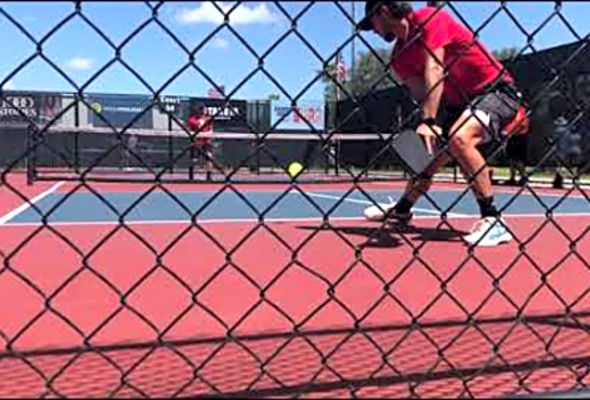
163 310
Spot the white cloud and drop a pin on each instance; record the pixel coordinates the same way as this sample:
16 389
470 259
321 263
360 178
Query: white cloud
220 43
80 63
243 14
9 86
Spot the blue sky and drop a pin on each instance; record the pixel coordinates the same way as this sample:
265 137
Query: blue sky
81 52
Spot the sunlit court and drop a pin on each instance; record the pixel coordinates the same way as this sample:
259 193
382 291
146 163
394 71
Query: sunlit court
211 199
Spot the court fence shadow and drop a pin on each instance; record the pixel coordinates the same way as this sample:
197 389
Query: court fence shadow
492 357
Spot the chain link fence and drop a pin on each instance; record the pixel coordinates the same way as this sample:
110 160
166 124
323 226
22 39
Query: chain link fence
379 317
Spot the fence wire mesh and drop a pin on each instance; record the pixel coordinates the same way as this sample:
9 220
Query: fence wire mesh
101 297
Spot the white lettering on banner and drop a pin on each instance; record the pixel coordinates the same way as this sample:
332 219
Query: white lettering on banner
171 100
171 104
123 109
169 108
16 106
301 115
11 112
223 112
18 102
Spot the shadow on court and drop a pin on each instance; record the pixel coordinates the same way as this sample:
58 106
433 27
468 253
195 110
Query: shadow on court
393 236
439 359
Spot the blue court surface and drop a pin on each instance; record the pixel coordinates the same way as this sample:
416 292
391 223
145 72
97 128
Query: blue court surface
228 206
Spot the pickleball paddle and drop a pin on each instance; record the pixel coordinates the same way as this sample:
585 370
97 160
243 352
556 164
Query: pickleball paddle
412 152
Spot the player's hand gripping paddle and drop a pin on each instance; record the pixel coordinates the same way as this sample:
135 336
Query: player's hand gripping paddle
413 153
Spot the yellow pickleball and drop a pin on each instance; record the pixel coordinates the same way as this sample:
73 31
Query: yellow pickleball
294 169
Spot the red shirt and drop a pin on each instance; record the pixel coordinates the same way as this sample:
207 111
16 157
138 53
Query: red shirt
469 66
200 126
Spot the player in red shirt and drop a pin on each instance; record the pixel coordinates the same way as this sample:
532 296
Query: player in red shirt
200 123
466 97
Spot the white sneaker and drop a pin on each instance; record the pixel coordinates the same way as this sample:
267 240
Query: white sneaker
386 211
489 232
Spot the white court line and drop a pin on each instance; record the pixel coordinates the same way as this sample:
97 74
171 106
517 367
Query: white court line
25 206
229 221
367 202
221 221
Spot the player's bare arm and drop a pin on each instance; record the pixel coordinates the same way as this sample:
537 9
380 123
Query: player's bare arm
433 90
416 87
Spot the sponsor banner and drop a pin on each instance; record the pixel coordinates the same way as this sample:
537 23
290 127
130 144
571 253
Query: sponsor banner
303 118
230 115
120 110
21 107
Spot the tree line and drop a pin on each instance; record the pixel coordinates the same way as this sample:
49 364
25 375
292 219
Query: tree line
371 72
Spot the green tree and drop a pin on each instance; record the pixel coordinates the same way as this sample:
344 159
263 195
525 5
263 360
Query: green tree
371 73
506 53
273 97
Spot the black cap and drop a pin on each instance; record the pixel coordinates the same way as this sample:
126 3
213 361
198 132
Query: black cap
398 8
370 8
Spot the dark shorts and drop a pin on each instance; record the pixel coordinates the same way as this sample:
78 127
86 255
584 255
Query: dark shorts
494 110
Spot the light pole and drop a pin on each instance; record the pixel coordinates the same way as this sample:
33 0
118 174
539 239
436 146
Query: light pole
352 60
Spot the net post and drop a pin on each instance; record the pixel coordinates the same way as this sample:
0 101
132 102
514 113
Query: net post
327 151
77 152
337 157
170 145
170 154
191 167
257 161
30 159
367 158
76 133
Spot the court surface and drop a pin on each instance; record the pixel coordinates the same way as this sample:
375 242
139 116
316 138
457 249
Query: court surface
130 290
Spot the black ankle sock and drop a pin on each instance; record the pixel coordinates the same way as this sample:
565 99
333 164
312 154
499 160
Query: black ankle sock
488 208
404 206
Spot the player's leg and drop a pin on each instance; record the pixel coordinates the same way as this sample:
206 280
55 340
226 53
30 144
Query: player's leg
198 157
474 128
418 186
208 156
520 167
401 211
192 161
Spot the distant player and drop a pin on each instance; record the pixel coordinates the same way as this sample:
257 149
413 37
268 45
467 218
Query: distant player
200 123
566 137
467 100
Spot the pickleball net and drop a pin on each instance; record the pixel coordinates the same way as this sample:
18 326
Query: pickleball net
65 153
